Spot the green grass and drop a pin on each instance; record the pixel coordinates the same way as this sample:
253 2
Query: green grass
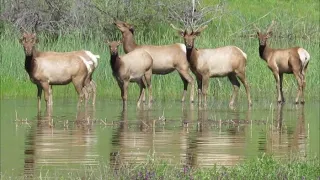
297 25
264 167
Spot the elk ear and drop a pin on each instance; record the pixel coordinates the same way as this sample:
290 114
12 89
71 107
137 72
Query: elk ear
107 41
269 34
131 28
127 25
181 33
37 40
119 42
196 33
21 40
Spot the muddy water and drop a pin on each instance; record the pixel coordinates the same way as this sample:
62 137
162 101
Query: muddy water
182 134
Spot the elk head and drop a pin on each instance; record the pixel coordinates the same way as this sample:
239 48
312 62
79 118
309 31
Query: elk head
28 41
189 37
263 37
113 47
123 26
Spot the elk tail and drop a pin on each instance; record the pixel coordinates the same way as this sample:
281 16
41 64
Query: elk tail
304 58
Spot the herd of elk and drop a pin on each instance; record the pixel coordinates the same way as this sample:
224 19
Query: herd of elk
220 62
166 58
135 66
58 68
292 60
141 61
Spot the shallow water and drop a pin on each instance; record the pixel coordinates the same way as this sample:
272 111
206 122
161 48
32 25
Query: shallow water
182 134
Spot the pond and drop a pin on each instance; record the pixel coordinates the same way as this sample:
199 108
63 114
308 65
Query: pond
180 133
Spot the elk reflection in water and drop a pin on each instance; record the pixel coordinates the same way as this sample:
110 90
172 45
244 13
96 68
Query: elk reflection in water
196 141
62 147
281 138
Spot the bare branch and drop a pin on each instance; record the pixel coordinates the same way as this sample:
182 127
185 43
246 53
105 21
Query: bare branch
270 27
190 13
201 28
256 28
178 29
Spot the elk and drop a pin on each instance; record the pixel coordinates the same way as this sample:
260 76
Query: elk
56 68
166 58
135 66
219 62
290 61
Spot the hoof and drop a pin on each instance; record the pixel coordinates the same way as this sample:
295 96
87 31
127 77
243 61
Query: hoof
302 102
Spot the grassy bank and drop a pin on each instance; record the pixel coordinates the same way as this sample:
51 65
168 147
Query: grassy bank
264 167
297 25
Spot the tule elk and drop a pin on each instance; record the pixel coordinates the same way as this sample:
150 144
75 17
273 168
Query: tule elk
53 68
135 66
292 60
219 62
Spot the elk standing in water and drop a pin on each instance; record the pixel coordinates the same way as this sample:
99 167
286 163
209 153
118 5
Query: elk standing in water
219 62
293 60
135 66
166 58
52 68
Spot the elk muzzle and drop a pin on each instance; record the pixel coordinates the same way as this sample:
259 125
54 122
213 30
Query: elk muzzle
28 50
189 46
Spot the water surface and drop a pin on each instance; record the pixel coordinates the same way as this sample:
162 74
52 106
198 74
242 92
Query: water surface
182 134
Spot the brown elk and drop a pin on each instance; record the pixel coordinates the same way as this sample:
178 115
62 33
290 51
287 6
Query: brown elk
166 58
219 62
135 66
52 68
292 60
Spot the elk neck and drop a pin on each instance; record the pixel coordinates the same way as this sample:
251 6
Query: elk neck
115 63
129 43
264 51
192 56
30 64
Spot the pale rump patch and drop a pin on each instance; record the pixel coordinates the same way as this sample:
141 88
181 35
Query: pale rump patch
87 63
93 57
304 56
244 54
183 47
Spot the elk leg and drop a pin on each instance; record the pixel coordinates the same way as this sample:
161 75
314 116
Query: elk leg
205 84
94 91
87 89
303 82
236 85
277 78
86 93
187 79
46 88
120 84
50 95
199 82
147 77
79 87
303 88
281 91
243 80
125 94
39 97
300 85
142 86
